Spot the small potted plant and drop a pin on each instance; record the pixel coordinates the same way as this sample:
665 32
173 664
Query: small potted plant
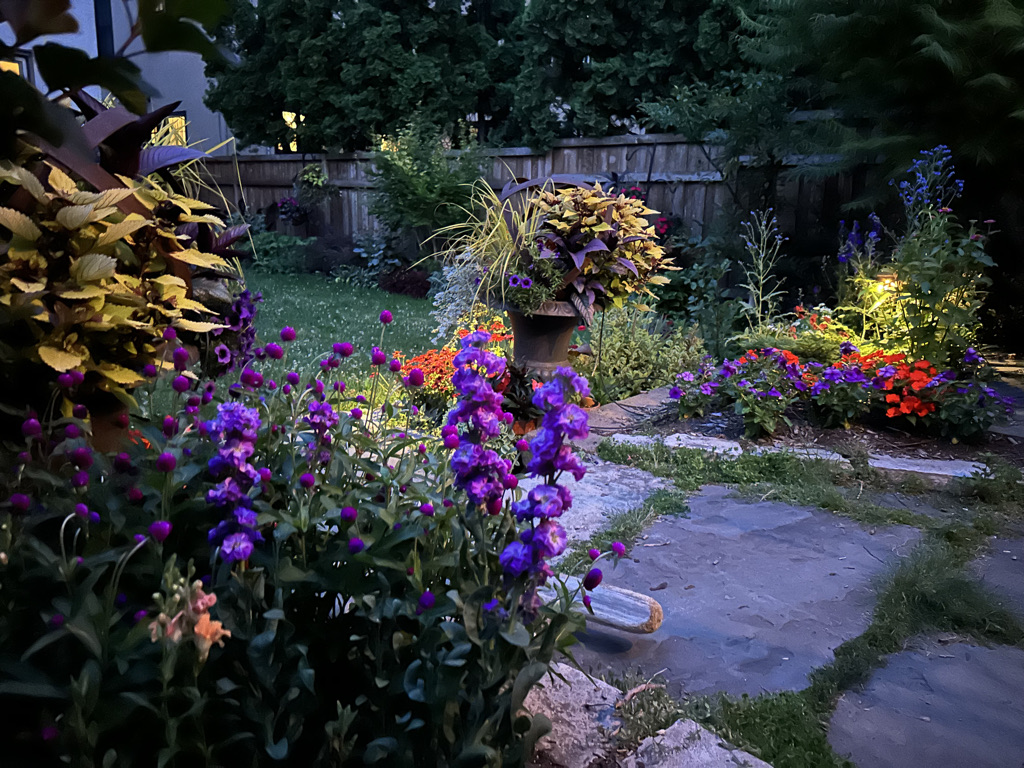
551 256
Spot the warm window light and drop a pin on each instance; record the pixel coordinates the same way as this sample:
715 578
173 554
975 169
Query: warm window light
293 123
10 66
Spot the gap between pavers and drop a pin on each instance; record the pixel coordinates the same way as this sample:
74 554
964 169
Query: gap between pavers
934 471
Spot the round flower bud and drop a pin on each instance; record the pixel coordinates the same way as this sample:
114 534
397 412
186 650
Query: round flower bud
31 428
593 578
427 509
82 510
594 553
170 334
427 601
348 514
287 333
80 479
166 462
451 442
149 371
395 365
522 445
306 480
274 351
377 357
79 411
160 530
356 545
386 317
181 384
416 377
356 413
619 549
180 357
20 501
72 432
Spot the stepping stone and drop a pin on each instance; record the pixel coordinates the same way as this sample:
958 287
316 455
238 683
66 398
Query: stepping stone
1001 569
686 744
951 705
758 594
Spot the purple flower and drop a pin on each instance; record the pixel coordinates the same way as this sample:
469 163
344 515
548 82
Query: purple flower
526 283
170 334
223 353
377 357
180 357
274 351
593 578
971 357
516 558
20 501
675 393
426 601
348 514
166 462
287 333
708 387
31 428
356 413
846 348
514 281
80 479
356 545
79 411
181 384
549 539
619 548
306 480
395 365
427 509
415 377
344 349
386 317
593 553
160 530
236 547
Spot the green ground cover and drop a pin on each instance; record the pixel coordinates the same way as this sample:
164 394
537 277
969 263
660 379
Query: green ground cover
323 312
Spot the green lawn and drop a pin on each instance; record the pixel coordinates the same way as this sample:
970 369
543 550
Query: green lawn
323 312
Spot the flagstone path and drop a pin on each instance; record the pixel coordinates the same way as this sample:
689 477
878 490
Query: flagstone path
757 594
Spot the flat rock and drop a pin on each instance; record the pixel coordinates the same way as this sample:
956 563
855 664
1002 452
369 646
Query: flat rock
717 445
943 468
688 745
583 718
759 594
951 705
605 491
1001 569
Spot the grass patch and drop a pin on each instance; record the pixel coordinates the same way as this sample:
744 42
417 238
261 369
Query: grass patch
645 709
625 527
323 312
777 476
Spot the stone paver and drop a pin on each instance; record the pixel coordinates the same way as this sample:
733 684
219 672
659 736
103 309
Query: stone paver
686 744
605 491
1001 569
756 595
944 705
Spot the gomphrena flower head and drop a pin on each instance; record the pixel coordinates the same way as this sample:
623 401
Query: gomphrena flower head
160 530
386 317
288 333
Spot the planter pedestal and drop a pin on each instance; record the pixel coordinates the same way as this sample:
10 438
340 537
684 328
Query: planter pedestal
540 342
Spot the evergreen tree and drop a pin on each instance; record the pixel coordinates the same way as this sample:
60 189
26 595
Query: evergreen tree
355 69
586 64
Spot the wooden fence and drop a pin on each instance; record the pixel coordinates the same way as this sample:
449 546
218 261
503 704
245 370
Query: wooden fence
678 178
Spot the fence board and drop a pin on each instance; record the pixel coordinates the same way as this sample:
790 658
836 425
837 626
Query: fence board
678 178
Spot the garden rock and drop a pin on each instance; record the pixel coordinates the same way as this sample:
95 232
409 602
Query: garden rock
687 745
583 718
1001 570
948 704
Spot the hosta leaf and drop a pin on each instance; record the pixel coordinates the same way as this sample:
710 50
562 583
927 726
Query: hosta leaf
119 374
61 182
196 327
132 222
93 266
19 224
74 216
27 286
59 359
197 259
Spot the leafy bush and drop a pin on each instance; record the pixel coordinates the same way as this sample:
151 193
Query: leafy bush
635 351
278 253
281 578
419 183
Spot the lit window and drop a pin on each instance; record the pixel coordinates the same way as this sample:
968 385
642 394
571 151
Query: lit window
10 66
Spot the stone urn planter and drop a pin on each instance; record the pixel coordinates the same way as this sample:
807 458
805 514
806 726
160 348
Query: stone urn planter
540 341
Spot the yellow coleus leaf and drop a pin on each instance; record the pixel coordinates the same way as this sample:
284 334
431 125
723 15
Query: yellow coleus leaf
27 286
74 216
59 359
61 182
93 266
86 292
196 327
104 199
198 259
19 224
119 374
131 224
202 219
191 304
24 177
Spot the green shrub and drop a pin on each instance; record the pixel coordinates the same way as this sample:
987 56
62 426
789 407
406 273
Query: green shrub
278 253
635 351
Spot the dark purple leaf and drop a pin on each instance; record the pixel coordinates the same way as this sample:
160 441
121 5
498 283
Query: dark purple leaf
629 265
189 230
153 159
631 239
229 236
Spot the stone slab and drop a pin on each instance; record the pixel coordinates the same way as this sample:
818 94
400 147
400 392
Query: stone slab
1001 569
583 718
950 705
686 744
605 491
756 594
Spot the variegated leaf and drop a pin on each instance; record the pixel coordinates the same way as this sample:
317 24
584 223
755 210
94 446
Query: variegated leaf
93 266
61 183
198 259
74 216
196 327
132 223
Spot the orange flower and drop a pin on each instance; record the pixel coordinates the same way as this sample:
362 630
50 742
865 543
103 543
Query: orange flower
910 404
207 633
892 413
893 398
